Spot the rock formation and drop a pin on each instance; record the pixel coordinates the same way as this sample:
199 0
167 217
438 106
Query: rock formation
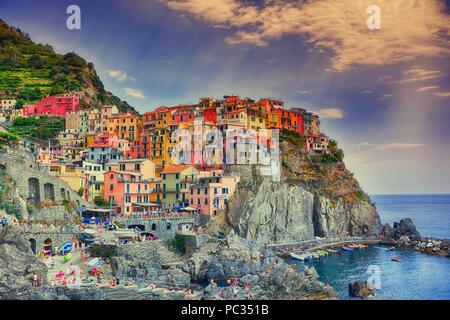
312 199
266 275
360 289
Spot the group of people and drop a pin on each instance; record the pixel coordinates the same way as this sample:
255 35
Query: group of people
38 280
163 214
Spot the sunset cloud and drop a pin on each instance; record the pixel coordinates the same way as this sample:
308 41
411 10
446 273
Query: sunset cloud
330 113
410 28
119 75
426 89
372 147
442 94
135 93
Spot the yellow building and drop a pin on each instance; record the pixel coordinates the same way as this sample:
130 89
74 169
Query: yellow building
255 119
73 175
94 181
125 126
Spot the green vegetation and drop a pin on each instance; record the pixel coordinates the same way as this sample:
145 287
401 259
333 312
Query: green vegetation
177 244
6 202
335 154
80 192
46 128
7 137
99 201
292 136
30 71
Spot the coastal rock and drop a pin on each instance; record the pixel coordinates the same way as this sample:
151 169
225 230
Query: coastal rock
406 227
17 267
311 199
149 262
271 211
267 278
340 217
360 289
388 233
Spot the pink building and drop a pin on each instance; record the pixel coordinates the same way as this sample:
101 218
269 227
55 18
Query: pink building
212 191
129 191
57 105
317 144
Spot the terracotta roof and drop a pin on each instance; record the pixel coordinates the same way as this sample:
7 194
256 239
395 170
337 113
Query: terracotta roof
176 169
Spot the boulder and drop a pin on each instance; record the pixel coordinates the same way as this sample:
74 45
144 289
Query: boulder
359 289
407 228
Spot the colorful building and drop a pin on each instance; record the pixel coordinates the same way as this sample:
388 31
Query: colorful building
133 190
176 181
58 105
211 192
70 173
94 183
125 126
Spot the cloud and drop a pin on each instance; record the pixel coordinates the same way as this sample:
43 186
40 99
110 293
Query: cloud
426 89
442 94
409 28
119 75
417 74
330 113
372 147
135 93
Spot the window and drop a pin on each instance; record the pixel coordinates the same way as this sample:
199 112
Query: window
111 187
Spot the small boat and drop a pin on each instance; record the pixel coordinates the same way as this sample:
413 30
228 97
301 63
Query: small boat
332 251
362 246
395 259
322 252
296 256
344 248
391 248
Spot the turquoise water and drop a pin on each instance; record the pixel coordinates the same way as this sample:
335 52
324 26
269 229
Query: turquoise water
418 276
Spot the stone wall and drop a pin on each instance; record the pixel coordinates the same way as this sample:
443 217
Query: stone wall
164 229
37 239
33 181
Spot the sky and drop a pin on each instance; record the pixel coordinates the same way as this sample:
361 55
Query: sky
383 94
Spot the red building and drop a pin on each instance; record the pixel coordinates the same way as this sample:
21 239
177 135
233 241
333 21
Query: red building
210 115
57 105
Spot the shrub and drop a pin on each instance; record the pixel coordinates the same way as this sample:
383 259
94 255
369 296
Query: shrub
178 244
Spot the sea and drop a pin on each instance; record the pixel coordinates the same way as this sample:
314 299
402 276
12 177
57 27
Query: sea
418 276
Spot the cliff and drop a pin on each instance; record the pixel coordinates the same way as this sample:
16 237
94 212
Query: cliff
314 198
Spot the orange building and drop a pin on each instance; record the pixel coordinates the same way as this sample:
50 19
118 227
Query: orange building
125 126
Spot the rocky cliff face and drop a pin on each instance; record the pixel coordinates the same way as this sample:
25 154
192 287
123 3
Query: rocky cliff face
18 264
312 199
256 268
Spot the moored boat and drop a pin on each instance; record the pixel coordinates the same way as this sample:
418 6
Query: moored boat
395 259
346 248
296 256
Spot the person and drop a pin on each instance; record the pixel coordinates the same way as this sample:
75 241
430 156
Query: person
41 276
35 280
76 245
213 284
4 222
